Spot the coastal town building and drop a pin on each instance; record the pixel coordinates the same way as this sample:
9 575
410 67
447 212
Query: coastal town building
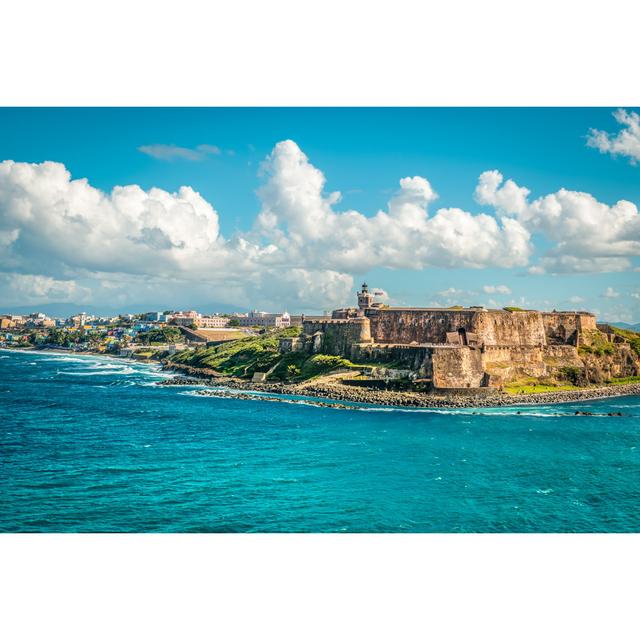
263 319
32 321
11 321
78 320
212 322
184 318
193 318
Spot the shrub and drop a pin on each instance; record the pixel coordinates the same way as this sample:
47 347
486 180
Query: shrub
572 374
632 337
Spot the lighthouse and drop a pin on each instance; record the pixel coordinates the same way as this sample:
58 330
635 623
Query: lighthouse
365 298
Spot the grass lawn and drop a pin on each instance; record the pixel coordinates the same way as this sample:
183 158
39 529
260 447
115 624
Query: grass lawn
528 388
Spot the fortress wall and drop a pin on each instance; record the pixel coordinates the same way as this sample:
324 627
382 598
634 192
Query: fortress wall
406 356
338 336
587 322
512 328
506 364
429 326
565 327
457 368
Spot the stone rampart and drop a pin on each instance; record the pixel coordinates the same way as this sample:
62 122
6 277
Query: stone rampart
510 328
422 326
564 327
336 337
431 326
458 367
417 358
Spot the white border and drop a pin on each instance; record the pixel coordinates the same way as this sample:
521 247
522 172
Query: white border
319 586
334 52
72 52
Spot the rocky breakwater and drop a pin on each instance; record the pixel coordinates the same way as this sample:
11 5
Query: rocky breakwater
182 381
451 399
467 398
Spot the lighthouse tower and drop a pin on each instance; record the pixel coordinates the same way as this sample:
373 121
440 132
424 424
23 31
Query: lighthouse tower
365 299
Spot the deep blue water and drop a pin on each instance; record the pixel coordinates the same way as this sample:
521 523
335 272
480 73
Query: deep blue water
92 444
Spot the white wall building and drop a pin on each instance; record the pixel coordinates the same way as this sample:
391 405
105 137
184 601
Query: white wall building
212 322
263 319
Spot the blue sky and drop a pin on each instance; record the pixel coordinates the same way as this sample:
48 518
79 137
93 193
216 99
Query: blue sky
361 153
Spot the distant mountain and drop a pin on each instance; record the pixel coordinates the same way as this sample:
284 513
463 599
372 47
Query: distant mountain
626 325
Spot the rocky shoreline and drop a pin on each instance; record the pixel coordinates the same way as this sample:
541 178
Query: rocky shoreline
343 393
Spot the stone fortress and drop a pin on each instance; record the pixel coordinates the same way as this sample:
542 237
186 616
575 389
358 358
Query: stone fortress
454 348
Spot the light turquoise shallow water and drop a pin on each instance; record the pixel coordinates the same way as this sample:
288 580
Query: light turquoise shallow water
91 444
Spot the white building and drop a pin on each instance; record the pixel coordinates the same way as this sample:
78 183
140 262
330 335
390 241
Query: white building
185 318
263 319
188 318
212 322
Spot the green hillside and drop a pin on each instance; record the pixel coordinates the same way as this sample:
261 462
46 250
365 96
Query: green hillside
242 358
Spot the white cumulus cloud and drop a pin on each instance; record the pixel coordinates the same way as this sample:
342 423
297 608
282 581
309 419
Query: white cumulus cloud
586 235
300 218
625 143
57 227
500 288
303 250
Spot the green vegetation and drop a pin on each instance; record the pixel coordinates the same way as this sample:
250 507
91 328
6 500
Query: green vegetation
607 349
598 344
163 335
512 309
572 374
527 385
234 322
321 364
523 389
627 380
632 337
246 356
61 338
241 357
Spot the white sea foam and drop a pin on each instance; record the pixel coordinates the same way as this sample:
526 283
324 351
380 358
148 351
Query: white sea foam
65 358
122 371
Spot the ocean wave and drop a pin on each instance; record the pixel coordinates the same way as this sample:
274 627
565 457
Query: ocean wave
123 371
65 358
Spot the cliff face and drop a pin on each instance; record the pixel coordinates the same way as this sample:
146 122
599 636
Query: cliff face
622 363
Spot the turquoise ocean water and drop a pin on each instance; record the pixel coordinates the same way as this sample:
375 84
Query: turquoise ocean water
91 444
